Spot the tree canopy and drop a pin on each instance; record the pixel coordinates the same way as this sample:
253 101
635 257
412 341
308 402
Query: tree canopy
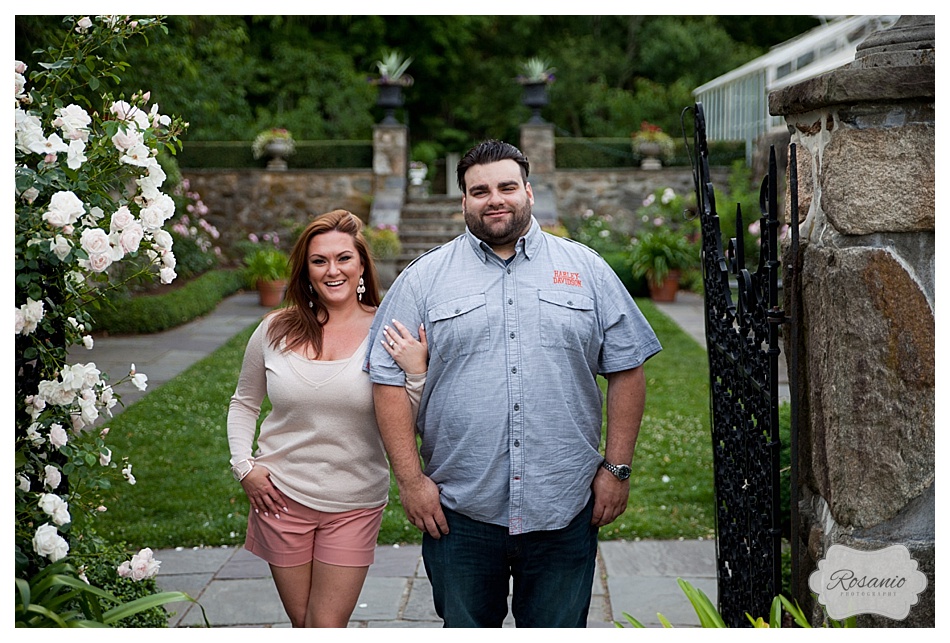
232 76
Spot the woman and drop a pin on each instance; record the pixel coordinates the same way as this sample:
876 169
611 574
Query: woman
319 480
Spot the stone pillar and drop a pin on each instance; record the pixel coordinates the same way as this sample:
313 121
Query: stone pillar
390 167
865 140
537 143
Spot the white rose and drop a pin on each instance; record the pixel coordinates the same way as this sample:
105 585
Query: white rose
94 241
121 109
72 118
167 275
127 472
143 565
55 393
127 138
130 238
76 155
88 342
58 436
50 145
140 381
55 507
163 239
29 129
139 155
33 434
48 542
122 218
99 263
152 181
106 457
83 25
52 477
65 208
60 246
28 316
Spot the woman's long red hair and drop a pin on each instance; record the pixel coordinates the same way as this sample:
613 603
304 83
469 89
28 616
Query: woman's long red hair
298 323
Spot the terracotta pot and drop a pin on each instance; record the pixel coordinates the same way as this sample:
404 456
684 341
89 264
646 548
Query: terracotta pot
666 291
271 292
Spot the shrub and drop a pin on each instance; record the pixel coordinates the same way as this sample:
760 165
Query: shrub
155 313
100 570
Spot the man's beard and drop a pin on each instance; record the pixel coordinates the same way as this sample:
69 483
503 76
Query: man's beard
497 235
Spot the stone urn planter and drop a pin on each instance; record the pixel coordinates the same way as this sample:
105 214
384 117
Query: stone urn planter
535 96
649 153
278 150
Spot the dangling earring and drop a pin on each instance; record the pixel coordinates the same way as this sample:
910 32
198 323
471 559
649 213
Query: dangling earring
311 294
360 289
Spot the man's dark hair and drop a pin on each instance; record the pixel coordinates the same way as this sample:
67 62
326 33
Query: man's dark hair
491 151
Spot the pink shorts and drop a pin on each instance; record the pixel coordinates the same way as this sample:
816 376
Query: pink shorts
302 534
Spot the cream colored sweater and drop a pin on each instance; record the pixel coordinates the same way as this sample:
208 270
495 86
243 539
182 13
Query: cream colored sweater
320 442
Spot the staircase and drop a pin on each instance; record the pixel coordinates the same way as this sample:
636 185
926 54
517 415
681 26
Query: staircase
426 222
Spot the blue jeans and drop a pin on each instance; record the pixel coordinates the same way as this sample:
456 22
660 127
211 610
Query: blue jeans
552 573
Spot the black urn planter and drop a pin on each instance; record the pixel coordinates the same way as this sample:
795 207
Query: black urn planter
535 96
389 98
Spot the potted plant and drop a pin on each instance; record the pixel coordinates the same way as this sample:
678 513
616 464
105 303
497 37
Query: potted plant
536 74
385 246
652 145
659 255
266 269
392 78
277 143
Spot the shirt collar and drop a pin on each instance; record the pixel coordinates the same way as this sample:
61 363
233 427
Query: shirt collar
529 242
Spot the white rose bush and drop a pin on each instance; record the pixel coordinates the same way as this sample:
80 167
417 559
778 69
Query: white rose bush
88 197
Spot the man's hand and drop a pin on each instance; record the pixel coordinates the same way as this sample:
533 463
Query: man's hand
610 497
420 501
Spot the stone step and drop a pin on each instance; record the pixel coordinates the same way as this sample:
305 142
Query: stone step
430 228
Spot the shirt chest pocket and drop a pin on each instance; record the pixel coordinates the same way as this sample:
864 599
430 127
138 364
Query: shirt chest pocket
566 319
459 327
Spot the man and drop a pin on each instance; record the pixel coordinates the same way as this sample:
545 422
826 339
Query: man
519 324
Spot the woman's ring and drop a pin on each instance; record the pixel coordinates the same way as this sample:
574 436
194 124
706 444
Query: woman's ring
392 343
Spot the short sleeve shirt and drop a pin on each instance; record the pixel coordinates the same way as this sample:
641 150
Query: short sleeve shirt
511 414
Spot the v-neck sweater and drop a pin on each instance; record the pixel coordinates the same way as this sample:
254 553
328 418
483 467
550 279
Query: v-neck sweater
320 443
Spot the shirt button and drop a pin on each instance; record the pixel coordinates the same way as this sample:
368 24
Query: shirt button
509 271
517 477
512 336
517 407
569 303
514 369
517 443
458 310
510 301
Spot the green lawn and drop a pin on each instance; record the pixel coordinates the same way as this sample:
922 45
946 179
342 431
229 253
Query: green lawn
176 439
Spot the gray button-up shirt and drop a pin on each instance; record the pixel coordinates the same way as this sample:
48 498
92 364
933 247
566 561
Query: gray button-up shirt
511 414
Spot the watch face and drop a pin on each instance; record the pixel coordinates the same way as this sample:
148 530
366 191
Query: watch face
623 472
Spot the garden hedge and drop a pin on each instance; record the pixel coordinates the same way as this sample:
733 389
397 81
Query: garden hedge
155 313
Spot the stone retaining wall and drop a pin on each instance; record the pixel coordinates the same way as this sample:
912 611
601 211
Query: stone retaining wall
259 201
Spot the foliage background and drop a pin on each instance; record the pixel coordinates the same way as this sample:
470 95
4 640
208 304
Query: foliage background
232 76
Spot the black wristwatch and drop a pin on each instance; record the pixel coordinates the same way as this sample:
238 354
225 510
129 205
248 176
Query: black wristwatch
622 471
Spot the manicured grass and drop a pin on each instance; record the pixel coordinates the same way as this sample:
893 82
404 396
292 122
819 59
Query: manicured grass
176 440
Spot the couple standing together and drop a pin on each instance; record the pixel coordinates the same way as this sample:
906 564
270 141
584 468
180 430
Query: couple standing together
500 387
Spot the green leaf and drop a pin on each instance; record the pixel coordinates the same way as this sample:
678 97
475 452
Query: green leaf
143 604
775 614
634 622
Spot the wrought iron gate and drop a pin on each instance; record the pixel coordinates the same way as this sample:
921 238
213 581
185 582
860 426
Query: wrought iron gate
742 335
